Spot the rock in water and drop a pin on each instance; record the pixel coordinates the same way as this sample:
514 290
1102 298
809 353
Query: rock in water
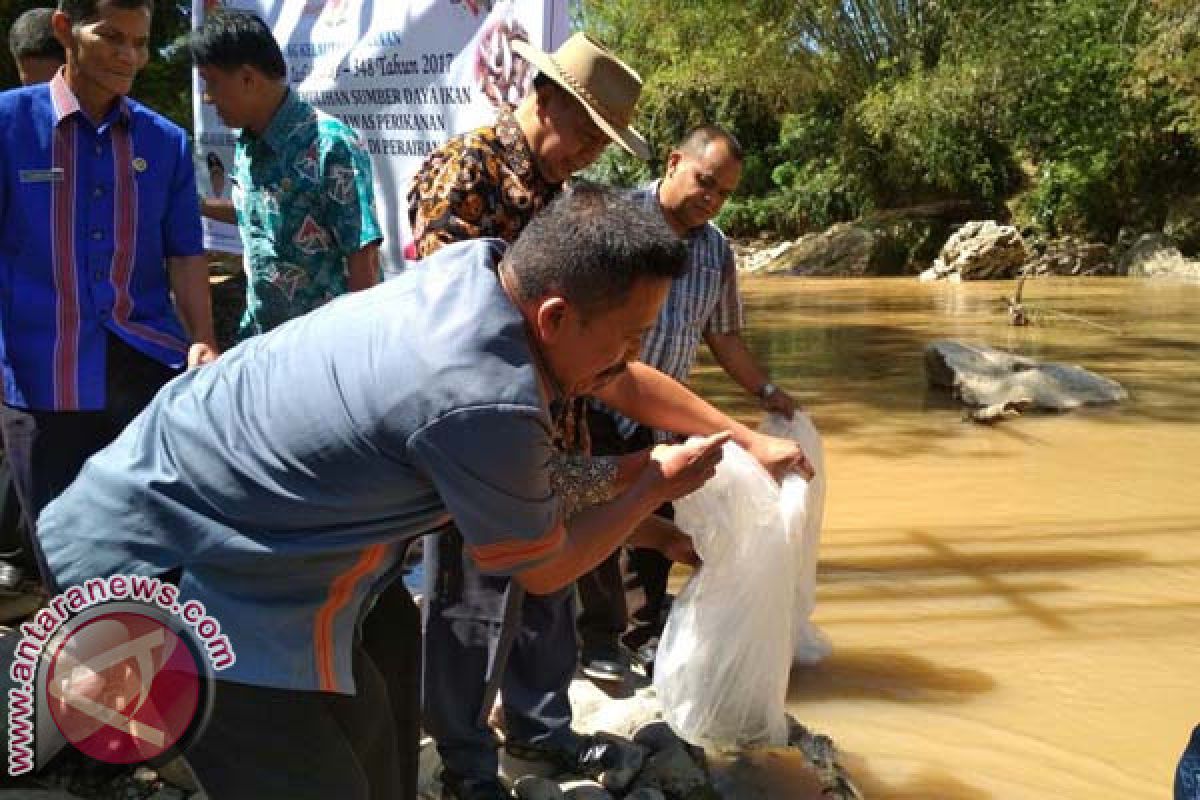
677 775
844 249
646 793
982 376
980 250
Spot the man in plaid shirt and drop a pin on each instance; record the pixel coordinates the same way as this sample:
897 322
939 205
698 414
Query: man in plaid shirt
703 304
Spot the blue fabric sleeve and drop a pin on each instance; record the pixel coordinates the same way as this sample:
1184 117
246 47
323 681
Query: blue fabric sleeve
182 233
491 467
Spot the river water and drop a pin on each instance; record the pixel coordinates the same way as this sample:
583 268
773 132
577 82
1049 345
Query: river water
1015 609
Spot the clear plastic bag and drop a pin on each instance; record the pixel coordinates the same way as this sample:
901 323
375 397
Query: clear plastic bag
721 671
802 503
723 664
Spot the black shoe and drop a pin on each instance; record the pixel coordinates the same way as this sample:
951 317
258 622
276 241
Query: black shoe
610 665
455 788
592 756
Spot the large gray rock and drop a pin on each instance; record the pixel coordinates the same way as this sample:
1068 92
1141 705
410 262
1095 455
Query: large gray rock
980 250
984 376
1183 224
845 249
1154 255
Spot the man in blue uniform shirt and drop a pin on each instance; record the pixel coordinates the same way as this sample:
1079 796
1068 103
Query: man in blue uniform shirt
425 399
99 227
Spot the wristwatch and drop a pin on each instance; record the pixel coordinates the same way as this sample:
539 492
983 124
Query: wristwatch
767 390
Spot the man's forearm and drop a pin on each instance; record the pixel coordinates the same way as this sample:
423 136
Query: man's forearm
193 298
730 351
646 395
592 535
218 209
362 268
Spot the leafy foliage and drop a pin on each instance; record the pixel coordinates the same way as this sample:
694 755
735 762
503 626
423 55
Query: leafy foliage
1078 115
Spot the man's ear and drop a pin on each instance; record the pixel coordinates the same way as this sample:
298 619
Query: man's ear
550 318
60 26
673 161
250 79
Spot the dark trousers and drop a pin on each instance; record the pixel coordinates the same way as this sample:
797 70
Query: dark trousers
462 632
47 449
389 632
262 744
15 548
607 615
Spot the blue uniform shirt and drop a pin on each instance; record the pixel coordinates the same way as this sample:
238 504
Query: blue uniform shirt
87 216
283 477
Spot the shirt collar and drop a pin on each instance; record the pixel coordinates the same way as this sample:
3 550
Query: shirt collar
290 111
652 197
515 149
65 102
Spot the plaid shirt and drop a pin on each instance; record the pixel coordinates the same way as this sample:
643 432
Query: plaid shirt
705 299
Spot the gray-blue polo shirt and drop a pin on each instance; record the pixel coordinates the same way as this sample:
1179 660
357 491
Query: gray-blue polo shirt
283 478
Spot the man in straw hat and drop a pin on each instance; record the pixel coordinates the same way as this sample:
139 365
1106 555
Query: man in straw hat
489 183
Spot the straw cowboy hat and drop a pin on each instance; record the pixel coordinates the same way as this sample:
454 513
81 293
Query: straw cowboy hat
599 80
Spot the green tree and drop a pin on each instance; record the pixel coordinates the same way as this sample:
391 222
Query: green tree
1168 62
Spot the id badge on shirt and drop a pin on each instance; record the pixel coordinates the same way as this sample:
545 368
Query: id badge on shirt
52 175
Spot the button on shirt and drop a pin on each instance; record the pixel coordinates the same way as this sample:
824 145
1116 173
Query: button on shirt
285 509
305 201
88 213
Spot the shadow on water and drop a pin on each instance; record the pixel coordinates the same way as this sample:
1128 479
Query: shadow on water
885 674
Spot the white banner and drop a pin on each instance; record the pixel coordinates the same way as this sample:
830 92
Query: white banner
406 74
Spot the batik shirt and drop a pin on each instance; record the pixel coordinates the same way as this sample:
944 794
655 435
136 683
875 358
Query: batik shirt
478 184
304 199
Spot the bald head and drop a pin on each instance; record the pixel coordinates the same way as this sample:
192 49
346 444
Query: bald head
697 140
702 172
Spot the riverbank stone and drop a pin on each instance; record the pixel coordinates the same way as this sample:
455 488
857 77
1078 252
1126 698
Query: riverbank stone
981 376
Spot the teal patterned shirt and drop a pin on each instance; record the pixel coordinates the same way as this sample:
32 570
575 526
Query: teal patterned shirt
304 199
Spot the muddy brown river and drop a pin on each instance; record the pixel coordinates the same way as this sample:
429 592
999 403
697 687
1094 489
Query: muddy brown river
1015 609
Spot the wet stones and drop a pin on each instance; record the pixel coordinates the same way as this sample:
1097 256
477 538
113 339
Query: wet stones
535 787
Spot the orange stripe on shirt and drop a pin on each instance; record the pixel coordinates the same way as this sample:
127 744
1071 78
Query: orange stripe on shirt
340 592
504 555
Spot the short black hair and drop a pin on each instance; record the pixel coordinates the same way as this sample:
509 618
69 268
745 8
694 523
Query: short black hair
214 160
32 37
698 138
591 244
232 38
81 11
